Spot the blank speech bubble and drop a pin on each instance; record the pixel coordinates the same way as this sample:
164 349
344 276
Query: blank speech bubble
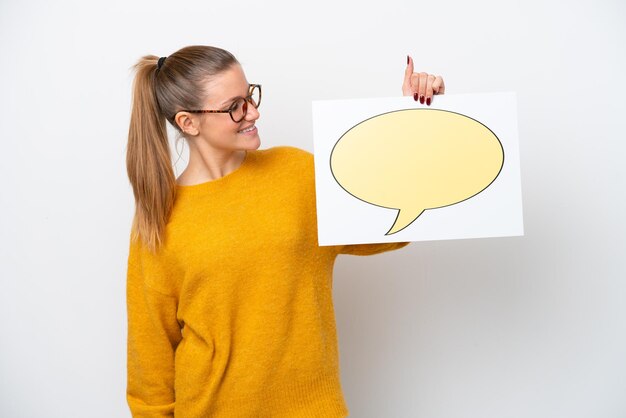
416 159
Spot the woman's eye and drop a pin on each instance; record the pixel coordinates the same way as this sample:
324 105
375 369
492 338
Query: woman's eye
235 105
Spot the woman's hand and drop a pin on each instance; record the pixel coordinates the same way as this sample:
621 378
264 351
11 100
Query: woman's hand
422 86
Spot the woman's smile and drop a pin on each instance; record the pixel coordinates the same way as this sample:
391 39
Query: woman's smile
250 130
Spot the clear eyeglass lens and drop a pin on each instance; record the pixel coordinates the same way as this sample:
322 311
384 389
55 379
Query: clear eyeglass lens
255 96
240 107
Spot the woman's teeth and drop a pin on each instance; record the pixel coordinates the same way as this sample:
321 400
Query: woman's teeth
243 131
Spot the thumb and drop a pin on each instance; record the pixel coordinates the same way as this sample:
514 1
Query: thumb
406 85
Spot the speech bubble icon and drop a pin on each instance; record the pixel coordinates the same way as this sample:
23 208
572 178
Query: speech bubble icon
416 159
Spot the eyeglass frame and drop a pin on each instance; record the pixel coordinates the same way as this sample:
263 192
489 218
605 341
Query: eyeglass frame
247 99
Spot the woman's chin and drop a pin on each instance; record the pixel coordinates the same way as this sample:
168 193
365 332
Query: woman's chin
253 143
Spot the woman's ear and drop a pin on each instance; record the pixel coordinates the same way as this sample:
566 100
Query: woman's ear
187 123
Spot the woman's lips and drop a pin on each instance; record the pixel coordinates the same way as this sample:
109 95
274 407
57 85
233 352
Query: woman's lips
250 130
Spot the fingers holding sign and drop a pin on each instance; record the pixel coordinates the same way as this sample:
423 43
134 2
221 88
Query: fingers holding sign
422 86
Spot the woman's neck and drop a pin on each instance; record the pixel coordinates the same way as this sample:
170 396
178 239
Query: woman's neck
206 165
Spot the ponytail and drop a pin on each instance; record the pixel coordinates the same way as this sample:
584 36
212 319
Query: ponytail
148 159
161 88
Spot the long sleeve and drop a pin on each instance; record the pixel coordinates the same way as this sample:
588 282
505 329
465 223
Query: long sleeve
370 249
153 334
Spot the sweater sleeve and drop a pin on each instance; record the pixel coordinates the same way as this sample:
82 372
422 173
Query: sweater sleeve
153 334
370 249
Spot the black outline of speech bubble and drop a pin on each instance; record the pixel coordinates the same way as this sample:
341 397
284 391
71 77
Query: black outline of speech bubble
398 209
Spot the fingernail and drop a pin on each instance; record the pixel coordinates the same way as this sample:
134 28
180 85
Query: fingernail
415 97
407 60
422 99
428 101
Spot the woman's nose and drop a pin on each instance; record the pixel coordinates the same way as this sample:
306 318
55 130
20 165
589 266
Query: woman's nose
252 113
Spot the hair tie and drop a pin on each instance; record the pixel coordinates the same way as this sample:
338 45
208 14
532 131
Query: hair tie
160 63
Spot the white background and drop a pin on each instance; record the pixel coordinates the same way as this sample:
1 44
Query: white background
529 326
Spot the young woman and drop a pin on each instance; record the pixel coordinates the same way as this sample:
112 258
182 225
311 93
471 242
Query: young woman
230 310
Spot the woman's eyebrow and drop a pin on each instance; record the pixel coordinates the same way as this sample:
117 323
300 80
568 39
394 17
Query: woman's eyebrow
233 98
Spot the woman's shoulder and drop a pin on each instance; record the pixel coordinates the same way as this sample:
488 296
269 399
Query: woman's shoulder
285 151
285 165
286 158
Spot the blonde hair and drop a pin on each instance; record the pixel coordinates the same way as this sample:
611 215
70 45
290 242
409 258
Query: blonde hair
158 94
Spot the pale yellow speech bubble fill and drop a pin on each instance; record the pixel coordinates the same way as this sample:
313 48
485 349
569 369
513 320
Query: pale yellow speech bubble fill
416 159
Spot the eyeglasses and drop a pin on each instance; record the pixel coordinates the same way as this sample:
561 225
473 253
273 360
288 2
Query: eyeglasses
239 108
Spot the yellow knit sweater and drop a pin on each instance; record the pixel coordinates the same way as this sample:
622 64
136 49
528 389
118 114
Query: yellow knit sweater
234 316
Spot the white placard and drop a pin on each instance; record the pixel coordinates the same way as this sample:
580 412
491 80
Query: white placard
371 156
